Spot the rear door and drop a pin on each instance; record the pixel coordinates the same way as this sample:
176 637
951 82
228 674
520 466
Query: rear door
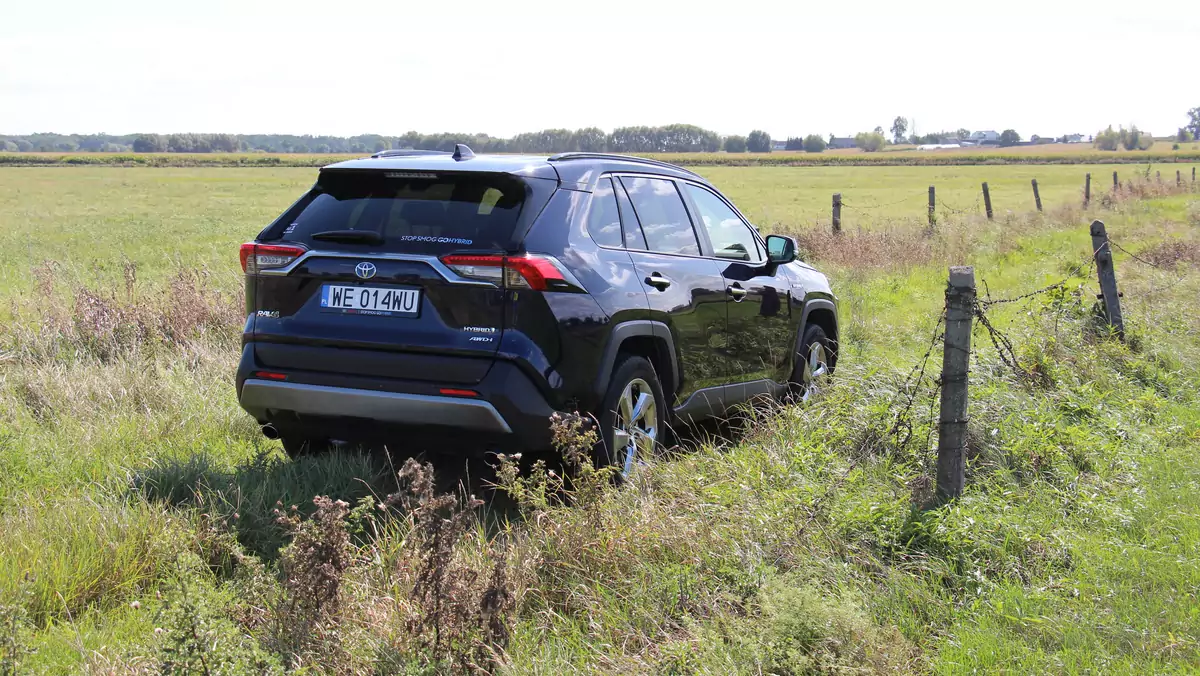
371 281
684 289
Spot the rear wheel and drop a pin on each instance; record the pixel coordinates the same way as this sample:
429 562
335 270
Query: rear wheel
633 415
814 363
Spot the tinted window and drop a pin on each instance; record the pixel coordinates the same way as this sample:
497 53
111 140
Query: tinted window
422 213
603 219
731 237
664 219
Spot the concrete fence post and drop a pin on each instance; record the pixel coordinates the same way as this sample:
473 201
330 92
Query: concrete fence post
956 362
837 213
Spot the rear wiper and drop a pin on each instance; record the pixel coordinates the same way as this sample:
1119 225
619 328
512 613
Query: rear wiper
349 236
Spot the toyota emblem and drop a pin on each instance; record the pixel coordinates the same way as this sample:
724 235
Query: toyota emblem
365 270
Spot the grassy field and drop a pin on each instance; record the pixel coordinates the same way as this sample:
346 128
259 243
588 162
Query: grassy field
138 522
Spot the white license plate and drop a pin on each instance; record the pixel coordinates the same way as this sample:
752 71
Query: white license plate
371 300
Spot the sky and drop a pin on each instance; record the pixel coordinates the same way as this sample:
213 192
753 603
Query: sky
346 67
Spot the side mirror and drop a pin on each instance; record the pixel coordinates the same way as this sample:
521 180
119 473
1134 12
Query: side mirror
781 249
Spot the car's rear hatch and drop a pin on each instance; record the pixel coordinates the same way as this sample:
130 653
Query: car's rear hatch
351 278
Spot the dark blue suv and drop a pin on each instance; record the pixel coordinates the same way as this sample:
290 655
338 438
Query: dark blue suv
473 296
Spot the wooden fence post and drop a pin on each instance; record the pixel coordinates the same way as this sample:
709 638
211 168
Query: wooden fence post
1116 183
1178 178
1037 198
1108 278
1087 191
987 200
1158 177
956 362
1193 175
837 213
933 203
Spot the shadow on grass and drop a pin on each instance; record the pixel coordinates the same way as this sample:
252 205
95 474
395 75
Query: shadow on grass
247 495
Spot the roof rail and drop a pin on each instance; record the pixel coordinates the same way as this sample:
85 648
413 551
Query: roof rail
407 152
563 157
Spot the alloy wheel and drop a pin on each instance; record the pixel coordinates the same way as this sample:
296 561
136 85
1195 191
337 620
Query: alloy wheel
635 430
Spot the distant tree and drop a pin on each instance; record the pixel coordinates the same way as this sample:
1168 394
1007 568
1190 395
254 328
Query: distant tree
149 143
1193 124
878 130
8 146
591 140
794 143
1136 139
24 146
735 144
758 141
1009 137
871 142
1107 139
899 129
814 144
1184 135
962 134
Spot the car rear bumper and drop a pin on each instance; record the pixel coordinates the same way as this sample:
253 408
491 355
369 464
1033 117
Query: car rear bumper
260 396
508 411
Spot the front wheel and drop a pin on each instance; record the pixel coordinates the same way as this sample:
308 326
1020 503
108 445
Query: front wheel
632 415
814 363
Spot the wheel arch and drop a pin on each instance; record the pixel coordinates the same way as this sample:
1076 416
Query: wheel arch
823 313
644 338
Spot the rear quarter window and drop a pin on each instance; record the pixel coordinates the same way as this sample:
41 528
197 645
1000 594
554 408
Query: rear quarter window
410 212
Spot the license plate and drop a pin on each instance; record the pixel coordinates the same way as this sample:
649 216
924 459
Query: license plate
371 300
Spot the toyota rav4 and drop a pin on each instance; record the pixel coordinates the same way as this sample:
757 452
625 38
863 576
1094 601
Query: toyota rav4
474 296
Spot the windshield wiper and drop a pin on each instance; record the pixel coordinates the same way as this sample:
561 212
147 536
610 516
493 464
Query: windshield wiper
349 236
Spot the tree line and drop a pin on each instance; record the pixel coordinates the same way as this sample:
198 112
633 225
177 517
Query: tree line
673 138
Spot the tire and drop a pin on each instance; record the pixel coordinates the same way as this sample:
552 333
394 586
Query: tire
296 445
813 364
634 391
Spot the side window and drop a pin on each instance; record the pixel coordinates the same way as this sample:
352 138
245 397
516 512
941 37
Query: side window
731 237
664 219
603 219
634 239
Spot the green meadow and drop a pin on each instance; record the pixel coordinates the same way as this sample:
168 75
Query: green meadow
147 527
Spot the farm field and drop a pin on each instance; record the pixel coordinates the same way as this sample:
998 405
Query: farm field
137 501
901 155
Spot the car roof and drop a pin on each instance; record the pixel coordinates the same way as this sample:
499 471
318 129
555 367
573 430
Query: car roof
576 171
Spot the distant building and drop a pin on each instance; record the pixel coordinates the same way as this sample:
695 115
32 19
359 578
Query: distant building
939 146
1075 138
841 142
988 136
778 145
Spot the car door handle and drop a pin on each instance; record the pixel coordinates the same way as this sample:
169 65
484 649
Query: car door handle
658 281
737 292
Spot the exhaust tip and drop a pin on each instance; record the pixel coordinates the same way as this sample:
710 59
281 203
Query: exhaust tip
270 432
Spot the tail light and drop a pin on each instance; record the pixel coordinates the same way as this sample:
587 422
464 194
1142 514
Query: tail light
530 271
257 257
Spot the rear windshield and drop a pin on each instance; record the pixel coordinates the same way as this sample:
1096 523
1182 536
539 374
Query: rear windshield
412 212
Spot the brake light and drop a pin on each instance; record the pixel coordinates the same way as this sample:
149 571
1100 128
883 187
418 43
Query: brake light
452 392
256 257
530 271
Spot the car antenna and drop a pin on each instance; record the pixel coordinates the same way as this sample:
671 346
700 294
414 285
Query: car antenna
462 152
